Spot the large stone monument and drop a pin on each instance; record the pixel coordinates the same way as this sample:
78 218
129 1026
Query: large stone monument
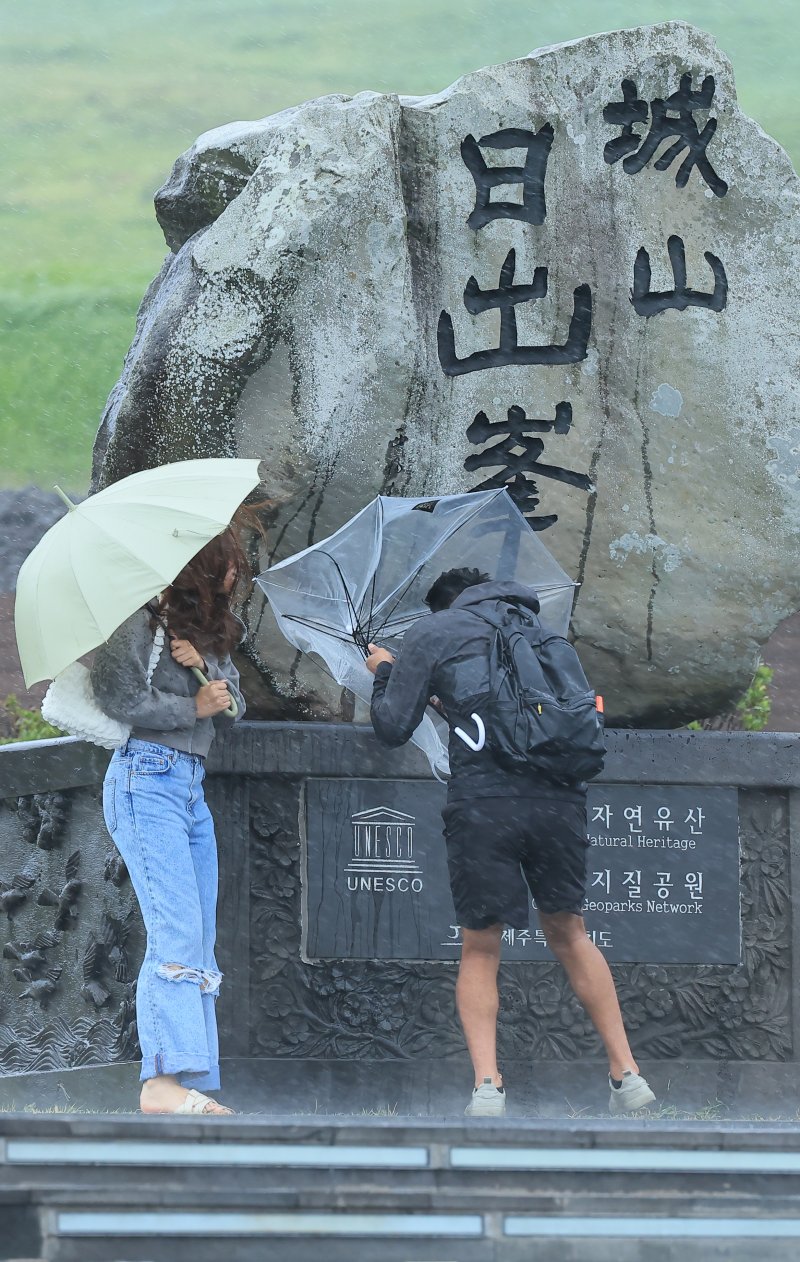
573 274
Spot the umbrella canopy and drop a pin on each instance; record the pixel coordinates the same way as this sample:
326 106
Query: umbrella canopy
368 581
115 551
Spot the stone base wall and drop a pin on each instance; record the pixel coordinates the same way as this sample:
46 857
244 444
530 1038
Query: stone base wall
72 939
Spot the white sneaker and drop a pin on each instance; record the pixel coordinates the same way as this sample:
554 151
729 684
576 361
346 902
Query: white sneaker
632 1094
487 1101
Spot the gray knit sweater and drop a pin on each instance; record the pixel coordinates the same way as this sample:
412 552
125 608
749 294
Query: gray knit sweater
163 710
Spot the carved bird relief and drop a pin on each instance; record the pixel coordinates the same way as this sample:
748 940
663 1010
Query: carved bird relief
31 955
118 950
44 817
95 960
41 989
14 893
114 869
106 951
66 899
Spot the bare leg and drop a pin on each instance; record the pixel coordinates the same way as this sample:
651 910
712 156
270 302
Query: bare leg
164 1094
590 978
477 999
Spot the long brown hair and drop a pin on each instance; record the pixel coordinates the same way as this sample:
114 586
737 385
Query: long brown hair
197 604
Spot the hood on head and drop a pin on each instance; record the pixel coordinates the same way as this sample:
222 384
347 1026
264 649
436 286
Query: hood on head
510 592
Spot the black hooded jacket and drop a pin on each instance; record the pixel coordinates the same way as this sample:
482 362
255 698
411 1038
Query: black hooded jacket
446 655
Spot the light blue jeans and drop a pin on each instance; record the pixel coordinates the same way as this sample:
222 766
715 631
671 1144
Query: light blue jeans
157 815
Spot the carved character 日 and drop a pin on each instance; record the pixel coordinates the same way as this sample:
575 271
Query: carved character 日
532 208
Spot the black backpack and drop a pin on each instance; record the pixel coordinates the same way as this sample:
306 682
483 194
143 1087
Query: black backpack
539 712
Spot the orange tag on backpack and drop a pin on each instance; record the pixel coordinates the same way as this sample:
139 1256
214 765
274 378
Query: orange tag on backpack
598 701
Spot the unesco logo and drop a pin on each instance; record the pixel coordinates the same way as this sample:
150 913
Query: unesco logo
383 853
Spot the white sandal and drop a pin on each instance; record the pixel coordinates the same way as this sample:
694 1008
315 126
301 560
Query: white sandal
196 1102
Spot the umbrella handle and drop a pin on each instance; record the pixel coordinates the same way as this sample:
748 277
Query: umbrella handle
481 741
232 709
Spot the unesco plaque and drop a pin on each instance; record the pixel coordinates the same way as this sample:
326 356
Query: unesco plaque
662 875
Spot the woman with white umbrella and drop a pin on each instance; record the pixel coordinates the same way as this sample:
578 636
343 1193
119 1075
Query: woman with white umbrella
149 557
157 815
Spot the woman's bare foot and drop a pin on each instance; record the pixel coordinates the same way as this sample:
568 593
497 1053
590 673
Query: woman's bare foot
165 1094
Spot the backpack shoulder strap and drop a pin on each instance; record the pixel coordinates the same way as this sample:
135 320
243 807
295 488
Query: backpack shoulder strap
490 621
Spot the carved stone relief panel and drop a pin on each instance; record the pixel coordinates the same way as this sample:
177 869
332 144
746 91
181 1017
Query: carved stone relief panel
394 1009
71 944
70 936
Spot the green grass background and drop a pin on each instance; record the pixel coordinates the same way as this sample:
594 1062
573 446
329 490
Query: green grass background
98 97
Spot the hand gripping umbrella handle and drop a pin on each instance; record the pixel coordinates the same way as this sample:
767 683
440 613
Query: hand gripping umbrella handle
232 709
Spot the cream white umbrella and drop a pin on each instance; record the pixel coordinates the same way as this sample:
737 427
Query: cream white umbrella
109 555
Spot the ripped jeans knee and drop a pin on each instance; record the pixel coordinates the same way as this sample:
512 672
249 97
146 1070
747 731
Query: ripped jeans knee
206 978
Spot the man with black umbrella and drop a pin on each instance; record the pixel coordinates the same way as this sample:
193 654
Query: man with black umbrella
509 834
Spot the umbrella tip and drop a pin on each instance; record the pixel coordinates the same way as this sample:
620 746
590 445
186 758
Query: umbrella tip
63 496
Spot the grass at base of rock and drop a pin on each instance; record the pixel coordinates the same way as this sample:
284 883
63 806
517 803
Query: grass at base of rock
17 724
713 1111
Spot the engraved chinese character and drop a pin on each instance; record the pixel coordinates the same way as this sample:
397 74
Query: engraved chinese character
517 453
647 303
671 119
532 209
505 299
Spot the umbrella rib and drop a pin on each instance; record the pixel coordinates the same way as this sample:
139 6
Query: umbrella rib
395 622
358 634
371 604
431 553
345 637
413 617
409 584
479 507
375 575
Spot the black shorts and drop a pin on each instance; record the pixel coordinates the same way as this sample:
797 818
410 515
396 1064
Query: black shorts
499 849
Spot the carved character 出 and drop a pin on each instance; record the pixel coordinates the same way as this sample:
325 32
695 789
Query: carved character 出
504 299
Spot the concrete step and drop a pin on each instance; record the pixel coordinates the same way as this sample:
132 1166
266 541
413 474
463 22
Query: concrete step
83 1188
